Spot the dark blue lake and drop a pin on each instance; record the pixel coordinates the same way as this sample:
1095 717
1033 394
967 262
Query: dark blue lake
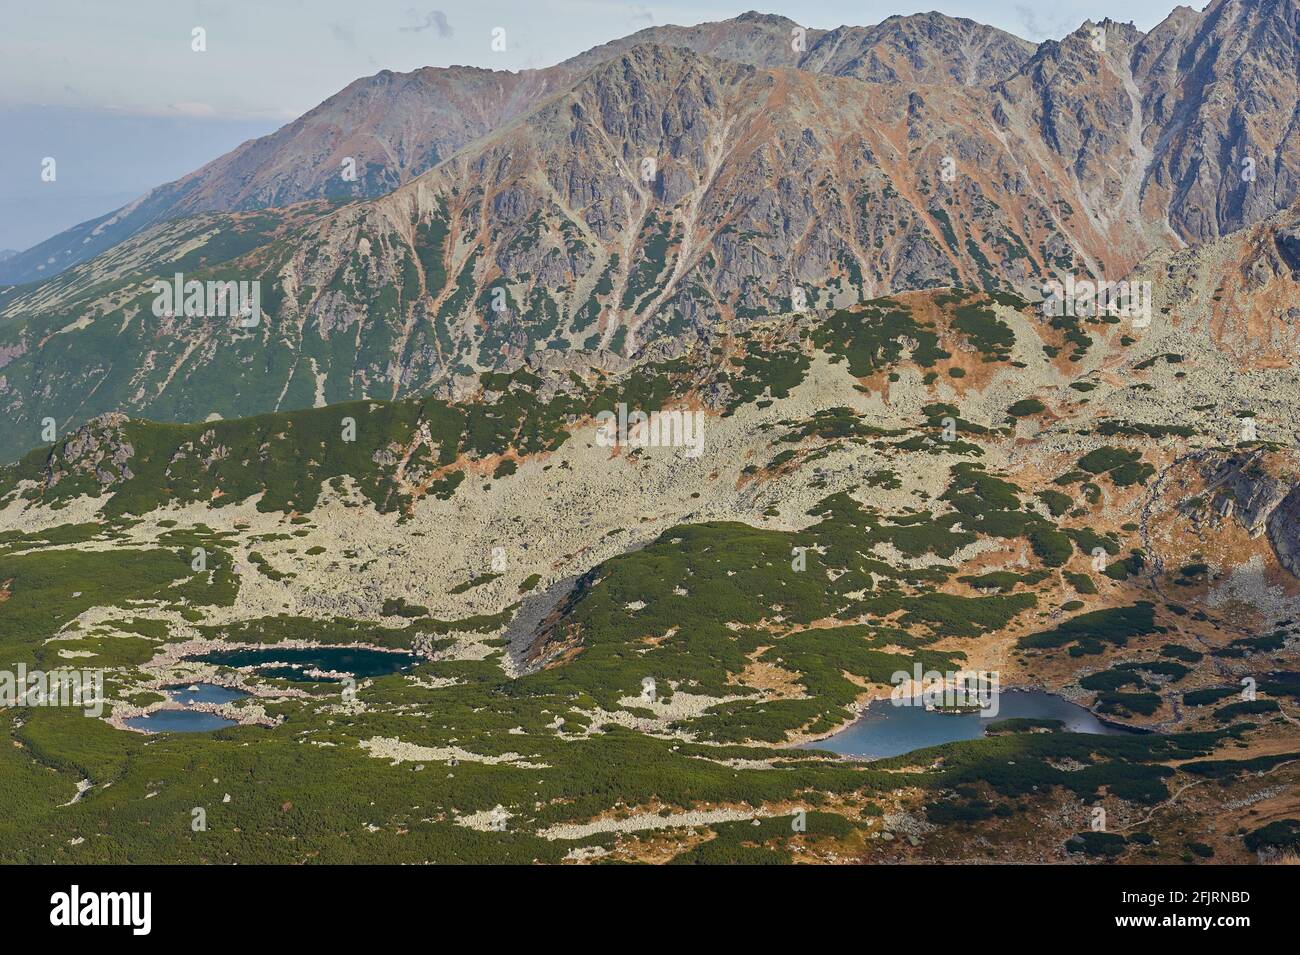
293 663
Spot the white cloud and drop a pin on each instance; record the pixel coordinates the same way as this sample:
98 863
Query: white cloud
434 19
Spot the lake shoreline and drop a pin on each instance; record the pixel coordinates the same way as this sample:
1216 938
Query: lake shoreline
863 706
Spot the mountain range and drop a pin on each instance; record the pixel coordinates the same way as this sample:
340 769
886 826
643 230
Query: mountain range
396 126
646 189
371 505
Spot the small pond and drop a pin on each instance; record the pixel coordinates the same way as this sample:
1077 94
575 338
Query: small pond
181 719
178 721
298 663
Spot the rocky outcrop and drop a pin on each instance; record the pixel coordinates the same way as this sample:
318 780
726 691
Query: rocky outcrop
1284 531
99 449
1288 246
1243 489
1260 492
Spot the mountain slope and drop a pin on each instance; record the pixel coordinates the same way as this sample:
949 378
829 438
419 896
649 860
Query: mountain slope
1158 126
580 673
1221 95
762 181
396 125
660 192
392 126
763 186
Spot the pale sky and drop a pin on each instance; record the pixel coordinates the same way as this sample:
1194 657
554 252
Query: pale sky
278 58
113 89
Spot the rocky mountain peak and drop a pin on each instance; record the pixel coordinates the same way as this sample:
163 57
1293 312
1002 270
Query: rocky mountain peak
767 19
